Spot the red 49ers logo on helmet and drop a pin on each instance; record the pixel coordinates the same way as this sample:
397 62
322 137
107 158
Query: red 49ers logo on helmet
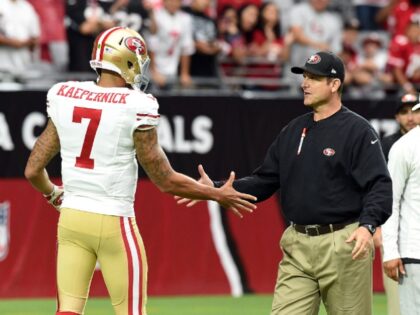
314 59
136 45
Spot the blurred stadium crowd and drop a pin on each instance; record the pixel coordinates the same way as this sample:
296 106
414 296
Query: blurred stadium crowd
207 44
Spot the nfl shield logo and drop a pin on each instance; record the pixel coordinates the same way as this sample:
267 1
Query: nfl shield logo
4 229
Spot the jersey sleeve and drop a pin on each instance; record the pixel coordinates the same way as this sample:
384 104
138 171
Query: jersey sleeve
147 115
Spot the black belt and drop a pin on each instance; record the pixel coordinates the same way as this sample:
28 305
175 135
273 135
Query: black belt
316 229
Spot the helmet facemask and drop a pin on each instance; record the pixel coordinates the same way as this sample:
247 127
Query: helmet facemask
141 80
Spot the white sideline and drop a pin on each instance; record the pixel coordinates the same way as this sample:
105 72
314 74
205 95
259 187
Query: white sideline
222 249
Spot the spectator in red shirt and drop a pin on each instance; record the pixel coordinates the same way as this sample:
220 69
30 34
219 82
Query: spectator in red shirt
53 39
267 39
404 56
227 25
268 49
397 15
247 23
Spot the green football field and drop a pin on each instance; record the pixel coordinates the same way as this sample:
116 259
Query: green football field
191 305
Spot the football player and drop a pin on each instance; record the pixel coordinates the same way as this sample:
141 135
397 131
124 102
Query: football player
99 128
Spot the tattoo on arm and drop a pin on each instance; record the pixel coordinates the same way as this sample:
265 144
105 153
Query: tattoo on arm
46 147
151 156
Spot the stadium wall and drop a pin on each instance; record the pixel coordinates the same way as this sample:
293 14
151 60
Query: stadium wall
202 250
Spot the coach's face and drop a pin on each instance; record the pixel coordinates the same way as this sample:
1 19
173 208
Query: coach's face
317 90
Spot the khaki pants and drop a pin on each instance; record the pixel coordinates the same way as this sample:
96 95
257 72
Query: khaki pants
316 268
115 242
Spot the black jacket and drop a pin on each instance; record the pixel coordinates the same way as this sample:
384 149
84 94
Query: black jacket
339 176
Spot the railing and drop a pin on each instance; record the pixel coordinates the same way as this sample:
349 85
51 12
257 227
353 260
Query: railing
245 79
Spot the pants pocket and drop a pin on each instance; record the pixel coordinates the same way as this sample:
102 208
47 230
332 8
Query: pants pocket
288 240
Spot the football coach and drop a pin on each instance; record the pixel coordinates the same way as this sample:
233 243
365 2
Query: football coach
335 190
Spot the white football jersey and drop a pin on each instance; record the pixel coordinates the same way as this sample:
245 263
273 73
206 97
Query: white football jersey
173 39
95 126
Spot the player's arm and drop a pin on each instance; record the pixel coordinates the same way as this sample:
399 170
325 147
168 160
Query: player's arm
157 166
46 147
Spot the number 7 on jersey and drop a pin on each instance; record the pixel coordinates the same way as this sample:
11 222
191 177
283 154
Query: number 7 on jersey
94 116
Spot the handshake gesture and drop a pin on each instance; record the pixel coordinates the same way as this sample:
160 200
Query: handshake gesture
228 197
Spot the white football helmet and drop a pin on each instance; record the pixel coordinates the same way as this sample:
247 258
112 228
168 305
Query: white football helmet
122 50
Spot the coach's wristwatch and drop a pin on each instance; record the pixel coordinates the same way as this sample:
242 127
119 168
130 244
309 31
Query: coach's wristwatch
369 227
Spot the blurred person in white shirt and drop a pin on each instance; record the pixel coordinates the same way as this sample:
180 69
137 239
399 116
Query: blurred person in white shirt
370 71
401 233
19 35
314 28
171 45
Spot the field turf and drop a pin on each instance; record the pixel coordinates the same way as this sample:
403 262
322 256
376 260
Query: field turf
185 305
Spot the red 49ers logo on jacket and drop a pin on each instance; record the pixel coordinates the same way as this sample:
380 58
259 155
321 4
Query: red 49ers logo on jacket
328 152
136 45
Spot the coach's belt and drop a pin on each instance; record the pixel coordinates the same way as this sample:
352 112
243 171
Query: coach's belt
316 229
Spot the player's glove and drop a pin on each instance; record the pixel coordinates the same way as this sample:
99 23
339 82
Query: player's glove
55 197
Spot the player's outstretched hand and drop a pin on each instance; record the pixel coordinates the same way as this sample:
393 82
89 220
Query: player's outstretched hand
233 200
55 197
204 179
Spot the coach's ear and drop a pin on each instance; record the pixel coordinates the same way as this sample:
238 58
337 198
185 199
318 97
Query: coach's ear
335 85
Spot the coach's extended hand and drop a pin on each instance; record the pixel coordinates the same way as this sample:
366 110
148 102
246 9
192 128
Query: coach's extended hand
240 204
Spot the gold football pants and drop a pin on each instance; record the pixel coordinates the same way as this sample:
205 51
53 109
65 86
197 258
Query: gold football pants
85 238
